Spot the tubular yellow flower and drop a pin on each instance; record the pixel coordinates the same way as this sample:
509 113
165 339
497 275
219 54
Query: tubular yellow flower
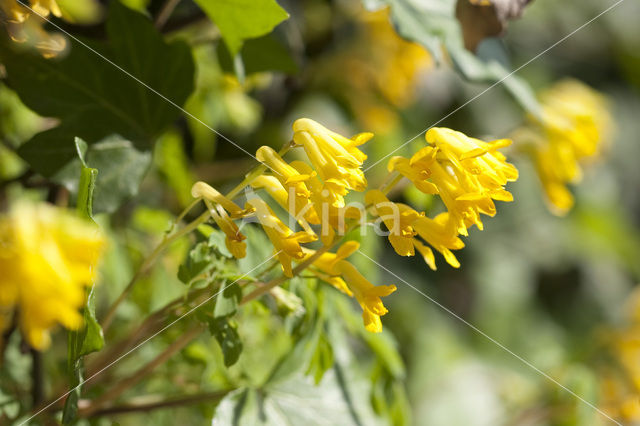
284 240
324 205
575 125
234 240
405 224
207 192
300 208
47 258
441 234
401 232
336 158
288 176
367 295
467 173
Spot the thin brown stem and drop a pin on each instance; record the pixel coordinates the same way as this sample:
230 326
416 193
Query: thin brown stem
154 402
130 381
165 13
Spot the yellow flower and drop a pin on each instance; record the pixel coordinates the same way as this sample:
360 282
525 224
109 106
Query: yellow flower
23 26
336 159
575 124
47 258
405 225
467 173
203 190
218 206
300 208
441 233
234 240
398 223
367 295
13 11
324 206
288 176
284 240
46 7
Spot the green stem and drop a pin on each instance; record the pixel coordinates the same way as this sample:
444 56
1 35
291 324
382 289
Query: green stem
130 381
148 262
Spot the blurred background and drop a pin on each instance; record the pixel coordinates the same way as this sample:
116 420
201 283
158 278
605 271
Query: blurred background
560 292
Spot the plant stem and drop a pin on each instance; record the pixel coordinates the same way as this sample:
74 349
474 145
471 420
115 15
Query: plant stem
37 390
277 281
130 381
152 402
148 262
390 182
165 13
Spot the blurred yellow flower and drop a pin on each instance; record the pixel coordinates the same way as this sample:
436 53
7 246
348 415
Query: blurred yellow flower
347 279
47 258
467 173
378 71
26 26
575 125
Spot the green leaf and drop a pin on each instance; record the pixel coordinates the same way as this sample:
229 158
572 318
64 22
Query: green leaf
225 331
433 24
92 97
239 20
122 168
227 301
87 183
90 338
217 241
300 356
93 339
296 401
266 53
198 262
322 359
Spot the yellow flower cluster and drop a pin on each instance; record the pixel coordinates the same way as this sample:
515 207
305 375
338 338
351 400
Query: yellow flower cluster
379 70
313 194
26 26
574 126
467 173
47 258
621 385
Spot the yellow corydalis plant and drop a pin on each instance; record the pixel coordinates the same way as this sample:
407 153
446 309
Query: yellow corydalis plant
48 257
467 173
574 127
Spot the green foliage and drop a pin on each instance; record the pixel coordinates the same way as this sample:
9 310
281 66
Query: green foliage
239 20
122 168
225 331
90 338
433 24
94 98
261 54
